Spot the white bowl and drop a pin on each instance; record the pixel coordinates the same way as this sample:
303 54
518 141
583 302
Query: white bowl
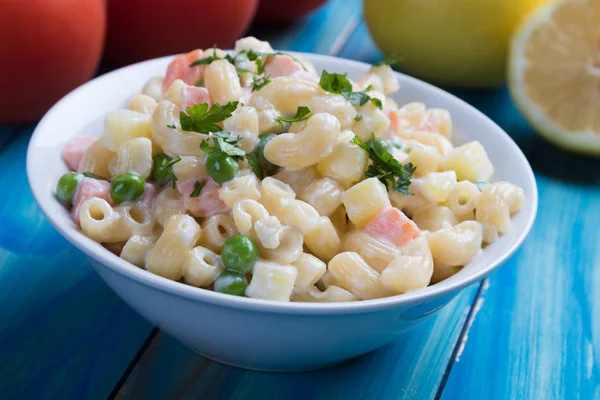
260 334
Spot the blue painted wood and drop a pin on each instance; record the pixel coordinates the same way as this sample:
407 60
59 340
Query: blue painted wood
7 133
533 334
321 32
410 369
63 333
537 335
361 47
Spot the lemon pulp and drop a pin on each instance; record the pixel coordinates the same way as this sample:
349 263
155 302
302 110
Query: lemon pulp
554 73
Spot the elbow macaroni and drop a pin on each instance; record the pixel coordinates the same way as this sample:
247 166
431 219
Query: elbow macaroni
321 216
169 254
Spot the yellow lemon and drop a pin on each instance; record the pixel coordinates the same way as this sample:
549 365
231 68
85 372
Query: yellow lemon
554 73
451 42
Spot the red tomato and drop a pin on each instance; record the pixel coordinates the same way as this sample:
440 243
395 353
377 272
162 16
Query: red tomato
143 29
285 10
47 47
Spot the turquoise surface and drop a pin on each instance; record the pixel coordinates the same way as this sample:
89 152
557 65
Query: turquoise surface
529 331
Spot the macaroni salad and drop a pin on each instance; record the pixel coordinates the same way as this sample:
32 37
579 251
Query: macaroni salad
248 173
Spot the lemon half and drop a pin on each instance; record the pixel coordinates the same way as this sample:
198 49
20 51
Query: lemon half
554 73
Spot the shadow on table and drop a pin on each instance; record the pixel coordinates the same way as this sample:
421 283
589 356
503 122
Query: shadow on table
169 370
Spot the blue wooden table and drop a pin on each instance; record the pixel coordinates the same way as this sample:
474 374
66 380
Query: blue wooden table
529 331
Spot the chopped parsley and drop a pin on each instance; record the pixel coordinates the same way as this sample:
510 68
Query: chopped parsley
358 117
386 168
223 142
171 126
199 118
249 55
164 165
197 188
260 83
242 70
255 165
389 60
93 175
207 60
302 114
368 88
199 83
339 84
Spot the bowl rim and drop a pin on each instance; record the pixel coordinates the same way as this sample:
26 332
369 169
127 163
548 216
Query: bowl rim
107 259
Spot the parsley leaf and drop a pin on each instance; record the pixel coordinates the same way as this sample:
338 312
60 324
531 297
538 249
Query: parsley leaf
389 60
339 84
260 83
377 102
255 165
302 114
223 142
93 175
169 168
197 188
207 60
199 83
162 171
335 83
386 168
358 117
199 118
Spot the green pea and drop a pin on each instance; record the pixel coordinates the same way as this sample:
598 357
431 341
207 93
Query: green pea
239 253
381 146
231 282
266 165
161 170
126 187
221 167
67 186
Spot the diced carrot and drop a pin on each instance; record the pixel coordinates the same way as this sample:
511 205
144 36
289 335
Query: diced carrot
392 130
207 203
88 188
180 68
191 95
74 149
393 226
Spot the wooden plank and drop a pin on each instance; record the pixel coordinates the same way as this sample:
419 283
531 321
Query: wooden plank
411 368
63 333
537 335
